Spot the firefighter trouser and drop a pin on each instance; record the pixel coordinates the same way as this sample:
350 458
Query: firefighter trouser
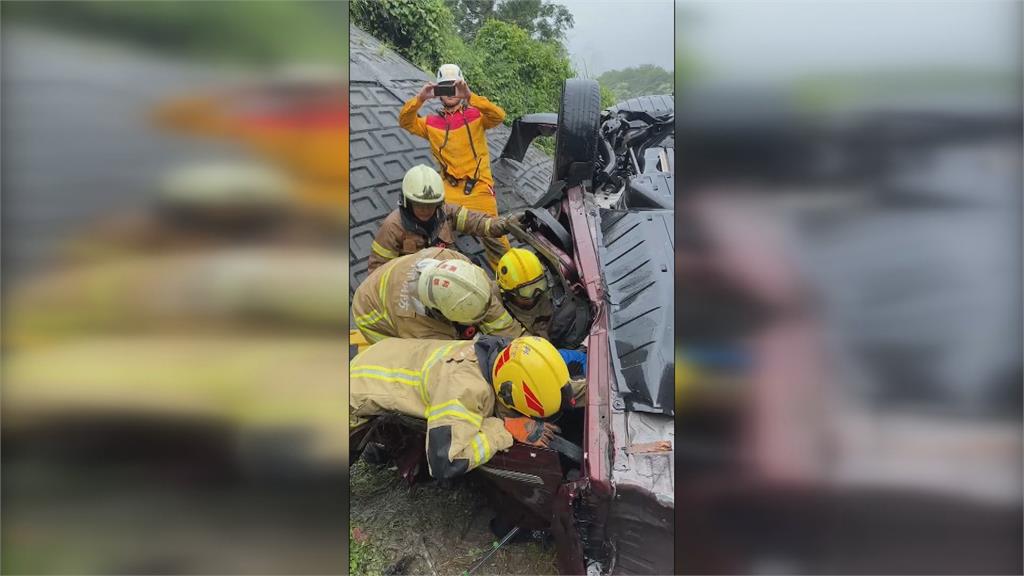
481 199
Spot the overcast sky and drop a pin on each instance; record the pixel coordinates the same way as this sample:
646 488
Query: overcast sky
755 40
775 39
610 35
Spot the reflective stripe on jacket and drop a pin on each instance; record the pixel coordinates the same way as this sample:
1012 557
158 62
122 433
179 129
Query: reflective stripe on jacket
439 381
394 240
387 304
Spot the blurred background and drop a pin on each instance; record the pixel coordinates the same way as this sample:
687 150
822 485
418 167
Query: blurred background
849 341
175 192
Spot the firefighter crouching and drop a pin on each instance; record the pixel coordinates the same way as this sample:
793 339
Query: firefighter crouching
525 290
458 141
423 219
453 385
435 293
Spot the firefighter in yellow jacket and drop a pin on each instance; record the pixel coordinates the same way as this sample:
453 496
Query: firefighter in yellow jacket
459 144
423 219
435 293
453 385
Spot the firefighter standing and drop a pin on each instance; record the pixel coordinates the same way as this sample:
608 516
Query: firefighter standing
453 385
436 293
424 219
459 144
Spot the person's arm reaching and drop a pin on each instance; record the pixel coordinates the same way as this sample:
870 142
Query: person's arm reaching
491 114
409 117
483 225
459 438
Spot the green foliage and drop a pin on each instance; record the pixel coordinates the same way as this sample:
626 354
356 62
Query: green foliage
608 98
261 32
521 74
545 144
418 29
541 19
364 557
470 15
642 80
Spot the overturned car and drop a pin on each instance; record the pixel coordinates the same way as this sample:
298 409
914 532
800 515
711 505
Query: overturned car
604 228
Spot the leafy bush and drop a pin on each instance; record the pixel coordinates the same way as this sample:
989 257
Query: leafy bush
273 32
502 61
418 29
521 74
542 19
639 81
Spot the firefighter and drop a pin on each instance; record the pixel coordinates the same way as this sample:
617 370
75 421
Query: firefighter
424 219
523 283
459 144
435 293
524 287
453 385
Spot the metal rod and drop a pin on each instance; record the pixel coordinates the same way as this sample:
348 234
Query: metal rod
504 541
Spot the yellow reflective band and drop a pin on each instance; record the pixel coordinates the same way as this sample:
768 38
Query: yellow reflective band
400 375
404 371
383 252
451 405
487 446
502 322
476 450
426 367
384 378
382 292
369 318
455 413
460 220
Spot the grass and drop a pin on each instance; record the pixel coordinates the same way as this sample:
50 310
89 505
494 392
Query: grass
364 557
400 527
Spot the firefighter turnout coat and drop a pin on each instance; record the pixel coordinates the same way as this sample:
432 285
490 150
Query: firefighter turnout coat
387 304
441 382
398 235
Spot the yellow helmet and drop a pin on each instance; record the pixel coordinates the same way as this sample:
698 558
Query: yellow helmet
521 277
460 290
531 377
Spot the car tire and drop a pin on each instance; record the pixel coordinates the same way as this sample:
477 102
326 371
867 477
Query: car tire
579 117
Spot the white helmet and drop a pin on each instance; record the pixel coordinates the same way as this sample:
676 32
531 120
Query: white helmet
422 184
449 73
460 290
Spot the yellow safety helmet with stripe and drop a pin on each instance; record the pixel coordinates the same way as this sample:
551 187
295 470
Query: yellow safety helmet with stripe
459 290
531 377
